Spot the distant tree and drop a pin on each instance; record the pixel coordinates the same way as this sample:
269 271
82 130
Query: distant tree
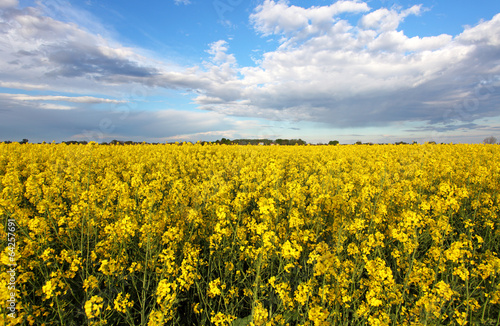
490 140
358 142
70 142
333 142
297 142
25 141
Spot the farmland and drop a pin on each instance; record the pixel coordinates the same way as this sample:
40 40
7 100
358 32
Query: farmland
250 235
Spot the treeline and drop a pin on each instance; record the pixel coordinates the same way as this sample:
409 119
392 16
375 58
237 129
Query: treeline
262 141
221 141
84 142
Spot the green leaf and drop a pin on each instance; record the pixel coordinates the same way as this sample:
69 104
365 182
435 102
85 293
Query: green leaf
243 321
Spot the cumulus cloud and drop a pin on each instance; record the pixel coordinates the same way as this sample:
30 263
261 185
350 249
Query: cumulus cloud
482 34
218 50
387 20
280 18
369 74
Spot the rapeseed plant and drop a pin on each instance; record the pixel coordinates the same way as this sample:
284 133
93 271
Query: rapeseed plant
244 235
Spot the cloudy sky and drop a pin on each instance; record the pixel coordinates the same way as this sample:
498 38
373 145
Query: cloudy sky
188 70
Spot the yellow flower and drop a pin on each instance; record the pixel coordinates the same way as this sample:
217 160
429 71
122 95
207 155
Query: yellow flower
460 317
156 318
166 292
318 315
121 303
196 308
90 283
302 294
214 288
294 219
379 319
94 306
260 314
49 288
444 291
291 250
222 319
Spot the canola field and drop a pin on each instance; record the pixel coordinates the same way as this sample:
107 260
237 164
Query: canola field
197 234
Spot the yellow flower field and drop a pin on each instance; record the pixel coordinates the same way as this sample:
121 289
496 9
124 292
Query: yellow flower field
250 235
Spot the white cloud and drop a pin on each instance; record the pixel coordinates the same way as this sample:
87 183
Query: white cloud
397 41
25 86
38 50
218 50
51 106
182 2
8 3
387 20
482 34
280 18
429 43
73 99
372 74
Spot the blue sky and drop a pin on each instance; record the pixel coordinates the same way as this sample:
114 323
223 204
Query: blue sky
173 70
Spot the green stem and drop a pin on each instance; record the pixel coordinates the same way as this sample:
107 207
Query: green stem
256 284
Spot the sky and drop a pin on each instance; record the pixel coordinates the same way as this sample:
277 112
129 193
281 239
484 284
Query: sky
378 71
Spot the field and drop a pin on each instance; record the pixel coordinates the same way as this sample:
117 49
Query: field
250 235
